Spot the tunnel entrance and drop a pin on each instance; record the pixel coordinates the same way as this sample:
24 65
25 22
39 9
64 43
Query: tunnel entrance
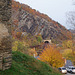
46 41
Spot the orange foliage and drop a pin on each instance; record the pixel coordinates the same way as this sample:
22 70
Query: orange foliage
32 52
52 57
19 35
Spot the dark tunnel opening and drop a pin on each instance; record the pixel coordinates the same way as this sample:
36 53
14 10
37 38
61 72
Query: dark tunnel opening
46 41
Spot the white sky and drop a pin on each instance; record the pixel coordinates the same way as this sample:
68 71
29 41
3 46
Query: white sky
55 9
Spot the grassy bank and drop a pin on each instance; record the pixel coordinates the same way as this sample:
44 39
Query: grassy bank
25 65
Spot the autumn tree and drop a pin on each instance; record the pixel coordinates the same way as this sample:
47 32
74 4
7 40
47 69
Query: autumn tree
32 52
69 44
18 34
67 53
69 50
52 56
19 46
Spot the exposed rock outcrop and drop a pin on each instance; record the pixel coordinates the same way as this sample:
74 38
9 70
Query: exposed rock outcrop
24 21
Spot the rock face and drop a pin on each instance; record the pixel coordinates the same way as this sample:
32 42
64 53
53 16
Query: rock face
27 22
5 33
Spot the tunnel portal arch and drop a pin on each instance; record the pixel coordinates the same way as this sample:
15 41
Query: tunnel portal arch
47 41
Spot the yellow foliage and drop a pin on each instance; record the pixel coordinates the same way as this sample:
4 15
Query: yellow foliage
31 52
52 57
67 44
14 45
67 53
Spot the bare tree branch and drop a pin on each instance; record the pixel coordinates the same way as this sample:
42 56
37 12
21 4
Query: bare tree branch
71 18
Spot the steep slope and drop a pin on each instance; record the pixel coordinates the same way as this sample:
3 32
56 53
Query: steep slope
31 21
26 65
73 33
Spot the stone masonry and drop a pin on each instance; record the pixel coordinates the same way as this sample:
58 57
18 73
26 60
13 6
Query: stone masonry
5 35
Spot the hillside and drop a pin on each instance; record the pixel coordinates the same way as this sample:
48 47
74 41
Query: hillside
26 65
28 20
72 30
73 33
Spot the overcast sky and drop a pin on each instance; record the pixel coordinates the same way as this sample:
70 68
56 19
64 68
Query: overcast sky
55 9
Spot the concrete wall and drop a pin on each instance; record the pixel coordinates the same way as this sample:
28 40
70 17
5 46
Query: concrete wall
5 34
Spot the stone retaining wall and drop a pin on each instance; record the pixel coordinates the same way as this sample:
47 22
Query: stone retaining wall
5 60
5 35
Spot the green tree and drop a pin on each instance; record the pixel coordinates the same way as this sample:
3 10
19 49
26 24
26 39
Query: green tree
39 38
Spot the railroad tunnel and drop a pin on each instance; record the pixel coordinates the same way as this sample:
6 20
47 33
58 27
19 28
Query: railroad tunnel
47 41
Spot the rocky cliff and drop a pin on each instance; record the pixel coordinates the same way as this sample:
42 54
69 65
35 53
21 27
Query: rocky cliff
28 20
